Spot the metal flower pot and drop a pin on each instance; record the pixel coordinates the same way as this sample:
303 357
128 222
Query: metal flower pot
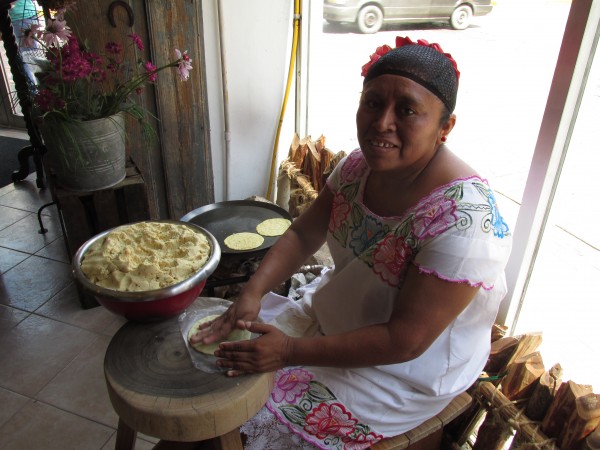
87 156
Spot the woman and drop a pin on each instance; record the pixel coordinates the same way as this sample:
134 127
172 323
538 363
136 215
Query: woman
403 320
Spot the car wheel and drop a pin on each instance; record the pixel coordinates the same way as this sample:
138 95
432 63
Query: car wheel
369 19
461 17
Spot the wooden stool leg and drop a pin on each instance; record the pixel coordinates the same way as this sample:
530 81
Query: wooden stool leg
125 437
229 441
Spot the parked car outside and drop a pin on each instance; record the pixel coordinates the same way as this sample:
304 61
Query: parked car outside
369 15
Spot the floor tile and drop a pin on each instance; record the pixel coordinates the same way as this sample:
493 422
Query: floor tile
26 196
31 283
80 387
11 403
9 216
10 317
25 234
56 250
36 350
140 443
65 307
41 426
10 258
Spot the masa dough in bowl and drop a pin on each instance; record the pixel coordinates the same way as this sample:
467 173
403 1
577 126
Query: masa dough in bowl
145 256
209 349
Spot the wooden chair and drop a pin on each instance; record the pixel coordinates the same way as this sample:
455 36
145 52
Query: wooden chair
428 435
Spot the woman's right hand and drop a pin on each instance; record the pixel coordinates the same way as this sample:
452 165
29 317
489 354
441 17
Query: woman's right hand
245 308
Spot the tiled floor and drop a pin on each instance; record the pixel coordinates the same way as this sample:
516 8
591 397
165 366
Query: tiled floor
52 388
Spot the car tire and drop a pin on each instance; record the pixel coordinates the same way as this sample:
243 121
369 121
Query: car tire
461 17
369 19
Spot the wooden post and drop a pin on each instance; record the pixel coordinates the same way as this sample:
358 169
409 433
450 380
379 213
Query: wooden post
563 411
523 374
544 393
509 412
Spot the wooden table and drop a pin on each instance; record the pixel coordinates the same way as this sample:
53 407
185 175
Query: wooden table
155 390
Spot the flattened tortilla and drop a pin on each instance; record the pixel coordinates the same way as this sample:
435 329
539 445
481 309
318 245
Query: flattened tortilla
273 227
209 349
244 241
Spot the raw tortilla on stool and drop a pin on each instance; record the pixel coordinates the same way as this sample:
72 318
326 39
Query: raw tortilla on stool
209 349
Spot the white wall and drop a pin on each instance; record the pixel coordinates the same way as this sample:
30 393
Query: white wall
257 37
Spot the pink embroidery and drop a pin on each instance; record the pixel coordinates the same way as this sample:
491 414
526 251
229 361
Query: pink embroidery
361 441
290 384
354 167
433 216
481 284
331 419
339 212
389 259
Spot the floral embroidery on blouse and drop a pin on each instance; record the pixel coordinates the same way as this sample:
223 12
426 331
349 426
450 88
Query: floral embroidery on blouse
388 246
314 412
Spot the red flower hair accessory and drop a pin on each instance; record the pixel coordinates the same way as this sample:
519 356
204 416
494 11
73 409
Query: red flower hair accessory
401 42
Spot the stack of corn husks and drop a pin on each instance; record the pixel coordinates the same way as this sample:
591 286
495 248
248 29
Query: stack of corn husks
304 173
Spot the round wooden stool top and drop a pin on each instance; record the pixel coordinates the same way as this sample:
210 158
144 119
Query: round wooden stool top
155 389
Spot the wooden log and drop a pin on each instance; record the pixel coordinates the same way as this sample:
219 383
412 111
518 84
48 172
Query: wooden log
498 331
528 343
522 377
509 412
501 351
562 409
584 419
592 442
493 432
544 393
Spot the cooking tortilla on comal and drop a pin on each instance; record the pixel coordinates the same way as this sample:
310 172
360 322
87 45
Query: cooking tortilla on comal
273 227
244 241
209 349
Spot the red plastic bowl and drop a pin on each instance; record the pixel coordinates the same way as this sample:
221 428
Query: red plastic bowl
157 304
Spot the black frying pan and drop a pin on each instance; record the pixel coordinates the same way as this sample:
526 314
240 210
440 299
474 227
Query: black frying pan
225 218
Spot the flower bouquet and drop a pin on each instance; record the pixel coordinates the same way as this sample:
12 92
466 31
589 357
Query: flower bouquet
81 97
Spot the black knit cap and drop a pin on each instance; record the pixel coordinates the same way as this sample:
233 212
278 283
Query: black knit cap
422 64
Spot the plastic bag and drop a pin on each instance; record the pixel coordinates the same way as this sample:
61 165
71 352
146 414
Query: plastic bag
202 307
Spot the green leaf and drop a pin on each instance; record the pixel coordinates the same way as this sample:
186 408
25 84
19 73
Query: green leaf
294 414
319 392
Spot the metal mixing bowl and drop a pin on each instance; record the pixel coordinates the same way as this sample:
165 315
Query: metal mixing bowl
153 305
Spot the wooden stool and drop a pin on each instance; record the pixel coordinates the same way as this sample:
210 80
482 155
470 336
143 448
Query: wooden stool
155 390
428 435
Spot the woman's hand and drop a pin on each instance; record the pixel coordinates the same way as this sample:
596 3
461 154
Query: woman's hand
244 308
267 353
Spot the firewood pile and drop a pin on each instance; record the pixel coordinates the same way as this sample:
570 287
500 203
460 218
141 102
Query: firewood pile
304 173
519 397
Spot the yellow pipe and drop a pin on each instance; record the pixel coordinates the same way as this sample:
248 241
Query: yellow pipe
297 8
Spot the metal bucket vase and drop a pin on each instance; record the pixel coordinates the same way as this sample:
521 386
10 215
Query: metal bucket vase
87 156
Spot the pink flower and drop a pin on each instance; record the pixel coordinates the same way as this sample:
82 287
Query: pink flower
151 69
354 167
56 31
374 57
47 101
330 420
290 384
401 42
184 66
433 216
339 212
361 441
137 41
113 47
390 259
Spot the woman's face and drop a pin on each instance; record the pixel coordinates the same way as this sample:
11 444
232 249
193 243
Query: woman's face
398 124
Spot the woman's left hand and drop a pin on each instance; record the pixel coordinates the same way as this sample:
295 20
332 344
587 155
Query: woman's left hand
266 353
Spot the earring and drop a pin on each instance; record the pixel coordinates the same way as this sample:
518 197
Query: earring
443 139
